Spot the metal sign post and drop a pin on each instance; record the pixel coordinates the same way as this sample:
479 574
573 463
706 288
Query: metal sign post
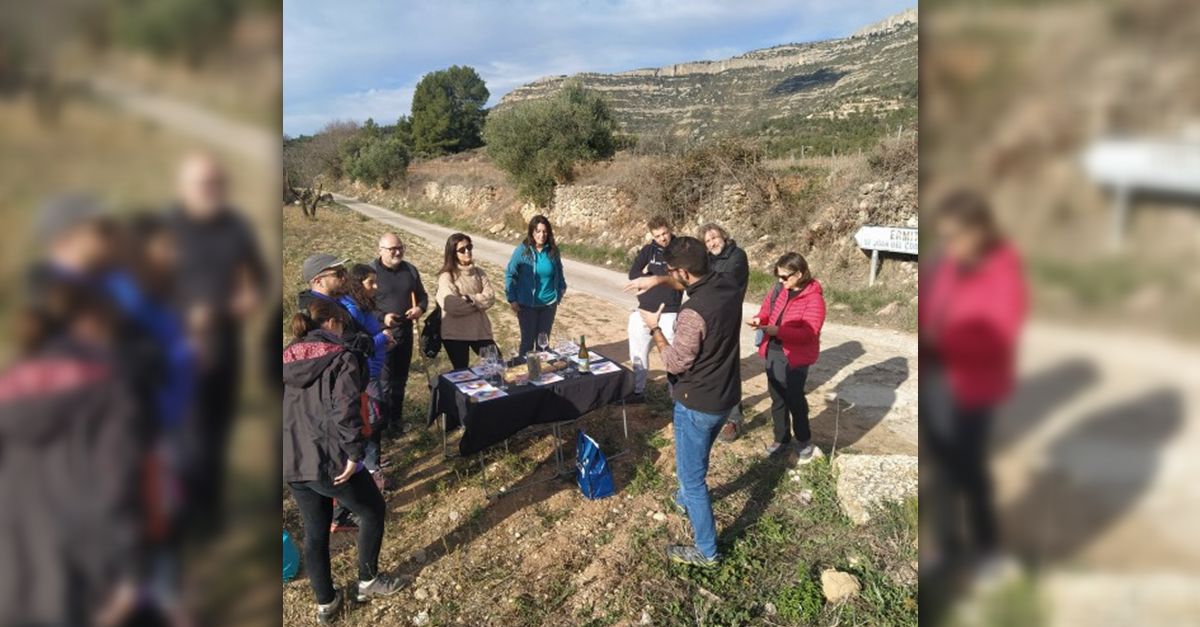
892 239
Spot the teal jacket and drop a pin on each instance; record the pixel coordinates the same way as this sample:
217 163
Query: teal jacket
520 280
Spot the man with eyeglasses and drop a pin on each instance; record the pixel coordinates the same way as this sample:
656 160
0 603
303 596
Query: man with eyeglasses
702 361
401 300
326 279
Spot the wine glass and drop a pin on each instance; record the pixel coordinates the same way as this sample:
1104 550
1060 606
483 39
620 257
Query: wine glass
543 341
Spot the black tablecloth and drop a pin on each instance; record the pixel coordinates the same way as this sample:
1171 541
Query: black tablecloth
492 421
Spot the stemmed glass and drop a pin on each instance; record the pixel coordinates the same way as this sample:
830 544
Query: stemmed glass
543 341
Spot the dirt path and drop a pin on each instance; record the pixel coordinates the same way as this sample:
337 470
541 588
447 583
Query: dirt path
874 371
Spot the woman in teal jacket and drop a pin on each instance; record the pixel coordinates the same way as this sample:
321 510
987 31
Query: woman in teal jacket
534 281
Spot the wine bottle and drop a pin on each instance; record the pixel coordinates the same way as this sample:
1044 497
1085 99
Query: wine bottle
583 354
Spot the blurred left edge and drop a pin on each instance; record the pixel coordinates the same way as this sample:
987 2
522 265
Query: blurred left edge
109 101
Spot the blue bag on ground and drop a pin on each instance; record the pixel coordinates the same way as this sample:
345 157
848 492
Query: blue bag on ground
291 557
593 473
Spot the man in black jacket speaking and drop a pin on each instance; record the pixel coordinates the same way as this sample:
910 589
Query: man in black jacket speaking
702 362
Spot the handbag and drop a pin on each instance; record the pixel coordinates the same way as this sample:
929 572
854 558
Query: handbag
592 471
431 334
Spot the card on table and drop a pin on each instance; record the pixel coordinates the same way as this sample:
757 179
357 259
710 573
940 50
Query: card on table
474 387
547 379
459 376
604 367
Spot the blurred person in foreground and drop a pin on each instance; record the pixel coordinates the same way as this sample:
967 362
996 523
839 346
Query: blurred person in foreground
972 309
77 416
221 277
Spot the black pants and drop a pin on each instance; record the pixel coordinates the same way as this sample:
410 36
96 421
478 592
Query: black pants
208 428
786 385
955 440
315 499
394 378
459 351
535 320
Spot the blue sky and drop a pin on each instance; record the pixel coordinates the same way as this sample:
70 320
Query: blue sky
354 59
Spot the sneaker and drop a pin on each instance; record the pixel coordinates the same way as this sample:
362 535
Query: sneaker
776 448
805 453
381 586
728 433
327 613
689 555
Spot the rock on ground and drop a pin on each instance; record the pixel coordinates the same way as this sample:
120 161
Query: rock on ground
865 481
838 586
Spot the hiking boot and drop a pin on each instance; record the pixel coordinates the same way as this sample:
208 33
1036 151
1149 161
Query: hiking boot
381 586
807 452
728 433
689 555
328 613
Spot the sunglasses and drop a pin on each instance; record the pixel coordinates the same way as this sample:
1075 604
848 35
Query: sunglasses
786 276
466 249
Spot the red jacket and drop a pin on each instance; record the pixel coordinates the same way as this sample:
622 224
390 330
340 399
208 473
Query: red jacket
800 328
970 321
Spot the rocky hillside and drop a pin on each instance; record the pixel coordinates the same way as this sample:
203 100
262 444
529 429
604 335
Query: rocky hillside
873 71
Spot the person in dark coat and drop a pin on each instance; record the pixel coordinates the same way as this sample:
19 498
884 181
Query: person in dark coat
724 257
323 452
69 458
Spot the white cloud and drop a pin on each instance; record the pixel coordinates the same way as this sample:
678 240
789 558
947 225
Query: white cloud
361 58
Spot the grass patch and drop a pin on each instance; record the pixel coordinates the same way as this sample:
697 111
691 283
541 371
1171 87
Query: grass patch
646 478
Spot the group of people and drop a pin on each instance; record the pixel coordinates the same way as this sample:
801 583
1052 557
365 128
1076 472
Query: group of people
116 412
352 341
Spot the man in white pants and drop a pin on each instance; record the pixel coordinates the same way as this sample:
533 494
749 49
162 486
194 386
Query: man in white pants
650 263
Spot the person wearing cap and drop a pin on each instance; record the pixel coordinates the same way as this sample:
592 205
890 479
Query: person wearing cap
327 280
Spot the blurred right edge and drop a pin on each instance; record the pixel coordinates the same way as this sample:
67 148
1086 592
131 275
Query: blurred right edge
1060 351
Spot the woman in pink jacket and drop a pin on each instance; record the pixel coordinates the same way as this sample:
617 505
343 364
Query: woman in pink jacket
972 307
790 320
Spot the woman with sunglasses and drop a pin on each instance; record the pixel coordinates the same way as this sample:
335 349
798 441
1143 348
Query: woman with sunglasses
790 319
464 294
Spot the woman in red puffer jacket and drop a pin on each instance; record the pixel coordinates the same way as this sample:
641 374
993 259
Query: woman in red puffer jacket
790 320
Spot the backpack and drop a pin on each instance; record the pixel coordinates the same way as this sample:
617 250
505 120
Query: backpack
431 334
593 474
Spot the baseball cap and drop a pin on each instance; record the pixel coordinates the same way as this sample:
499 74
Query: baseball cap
318 263
60 214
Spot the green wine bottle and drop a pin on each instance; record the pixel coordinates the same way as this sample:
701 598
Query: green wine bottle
583 354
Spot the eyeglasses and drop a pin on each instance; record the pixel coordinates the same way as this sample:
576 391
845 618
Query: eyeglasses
466 249
393 249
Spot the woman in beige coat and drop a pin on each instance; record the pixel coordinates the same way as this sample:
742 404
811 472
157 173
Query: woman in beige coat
464 294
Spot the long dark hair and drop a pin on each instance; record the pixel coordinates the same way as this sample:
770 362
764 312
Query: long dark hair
531 245
450 262
359 273
971 210
795 262
319 312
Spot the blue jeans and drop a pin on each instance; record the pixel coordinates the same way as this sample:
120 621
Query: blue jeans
695 433
534 320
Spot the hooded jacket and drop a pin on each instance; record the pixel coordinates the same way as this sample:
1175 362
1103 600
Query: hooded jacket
355 336
69 454
322 427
